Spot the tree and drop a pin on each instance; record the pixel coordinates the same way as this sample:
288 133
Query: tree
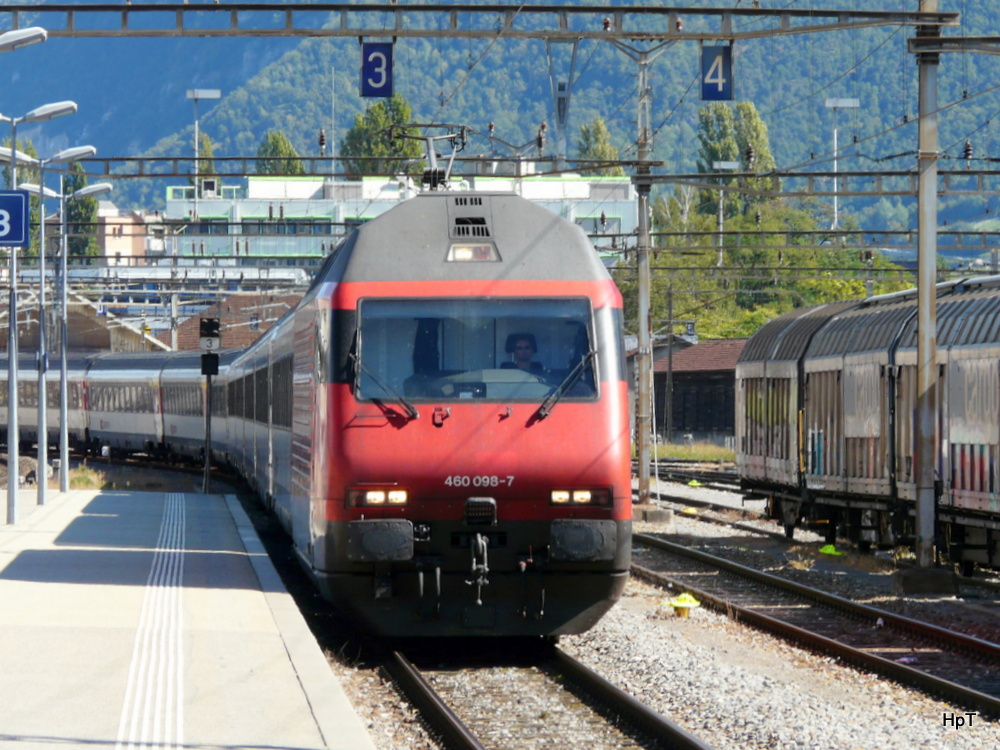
81 217
595 143
755 151
373 140
739 136
717 143
206 163
280 157
716 136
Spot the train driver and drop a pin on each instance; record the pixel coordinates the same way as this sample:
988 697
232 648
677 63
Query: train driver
522 348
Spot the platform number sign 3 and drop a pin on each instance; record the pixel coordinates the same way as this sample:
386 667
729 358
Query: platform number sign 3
717 74
14 221
376 69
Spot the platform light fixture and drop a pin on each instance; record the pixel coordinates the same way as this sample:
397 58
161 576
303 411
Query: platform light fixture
196 95
836 104
16 39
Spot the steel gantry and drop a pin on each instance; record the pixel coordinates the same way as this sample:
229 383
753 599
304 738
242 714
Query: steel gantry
444 21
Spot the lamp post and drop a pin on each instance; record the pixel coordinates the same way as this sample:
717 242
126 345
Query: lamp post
9 42
719 166
13 461
836 104
39 114
98 188
65 156
89 190
195 95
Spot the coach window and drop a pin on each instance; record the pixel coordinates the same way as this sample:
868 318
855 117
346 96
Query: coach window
53 393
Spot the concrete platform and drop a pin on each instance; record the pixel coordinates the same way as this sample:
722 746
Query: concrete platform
156 620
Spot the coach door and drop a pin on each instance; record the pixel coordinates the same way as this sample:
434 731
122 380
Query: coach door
866 428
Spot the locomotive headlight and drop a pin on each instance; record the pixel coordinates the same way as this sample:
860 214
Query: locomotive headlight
580 497
472 252
375 498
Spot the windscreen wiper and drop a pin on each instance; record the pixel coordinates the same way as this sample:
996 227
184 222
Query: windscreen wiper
411 410
568 382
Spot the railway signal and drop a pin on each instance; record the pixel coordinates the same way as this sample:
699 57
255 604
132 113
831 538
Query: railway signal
210 340
209 333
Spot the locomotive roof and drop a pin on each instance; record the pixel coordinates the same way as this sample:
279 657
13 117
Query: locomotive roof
411 242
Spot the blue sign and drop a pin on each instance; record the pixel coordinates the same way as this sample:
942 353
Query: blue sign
376 69
717 74
14 218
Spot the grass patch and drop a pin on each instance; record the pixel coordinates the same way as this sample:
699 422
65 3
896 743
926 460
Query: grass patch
694 452
85 478
105 476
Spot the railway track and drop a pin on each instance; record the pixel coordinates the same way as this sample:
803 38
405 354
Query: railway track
553 701
960 668
716 475
683 504
721 514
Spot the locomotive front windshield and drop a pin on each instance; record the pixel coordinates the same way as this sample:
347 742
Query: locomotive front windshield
452 350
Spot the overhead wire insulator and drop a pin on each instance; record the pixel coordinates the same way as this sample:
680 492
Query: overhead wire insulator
751 154
967 150
540 139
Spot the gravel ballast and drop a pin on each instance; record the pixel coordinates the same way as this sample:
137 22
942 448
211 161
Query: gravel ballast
735 687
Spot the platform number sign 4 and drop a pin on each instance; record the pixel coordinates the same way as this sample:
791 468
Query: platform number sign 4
717 74
376 69
14 221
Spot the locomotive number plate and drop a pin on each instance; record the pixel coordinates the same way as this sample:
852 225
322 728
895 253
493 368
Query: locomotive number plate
479 480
